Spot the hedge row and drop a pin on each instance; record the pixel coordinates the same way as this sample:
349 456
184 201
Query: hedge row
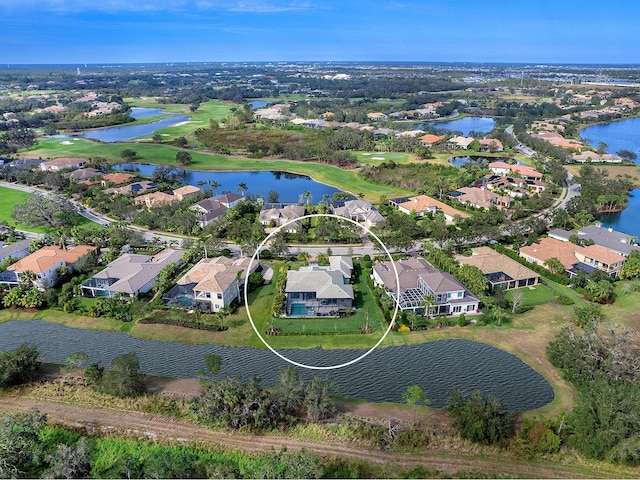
181 323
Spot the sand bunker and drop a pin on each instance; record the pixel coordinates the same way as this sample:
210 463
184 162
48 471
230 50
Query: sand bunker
66 142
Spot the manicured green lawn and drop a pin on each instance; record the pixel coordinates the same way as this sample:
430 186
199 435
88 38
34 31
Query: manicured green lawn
199 119
9 198
375 158
535 295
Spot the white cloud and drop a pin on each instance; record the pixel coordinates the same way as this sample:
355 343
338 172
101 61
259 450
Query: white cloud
116 6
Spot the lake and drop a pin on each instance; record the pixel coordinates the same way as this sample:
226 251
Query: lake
290 186
440 367
618 135
482 161
129 132
467 124
627 220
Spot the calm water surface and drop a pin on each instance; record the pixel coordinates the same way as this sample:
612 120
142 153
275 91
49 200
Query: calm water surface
467 124
129 132
619 135
627 220
439 367
289 186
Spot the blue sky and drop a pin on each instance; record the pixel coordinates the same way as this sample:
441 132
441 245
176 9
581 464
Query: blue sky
124 31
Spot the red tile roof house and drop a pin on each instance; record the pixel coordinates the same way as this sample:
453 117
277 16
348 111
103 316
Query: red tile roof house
429 140
422 204
155 199
117 178
45 263
186 191
526 172
60 164
574 257
491 145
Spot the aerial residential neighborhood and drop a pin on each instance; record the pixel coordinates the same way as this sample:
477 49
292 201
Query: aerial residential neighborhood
187 237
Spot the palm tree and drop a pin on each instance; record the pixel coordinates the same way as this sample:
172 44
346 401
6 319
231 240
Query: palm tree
215 185
242 187
307 196
426 303
238 277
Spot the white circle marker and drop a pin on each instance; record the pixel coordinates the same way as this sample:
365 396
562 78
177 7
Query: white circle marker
293 362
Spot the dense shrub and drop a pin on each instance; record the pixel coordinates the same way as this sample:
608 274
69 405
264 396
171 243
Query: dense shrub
480 418
19 365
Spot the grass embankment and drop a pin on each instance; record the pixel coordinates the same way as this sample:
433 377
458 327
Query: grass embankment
614 170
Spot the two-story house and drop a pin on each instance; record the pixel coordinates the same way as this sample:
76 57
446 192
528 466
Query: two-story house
130 274
423 288
359 211
276 214
44 263
212 283
320 290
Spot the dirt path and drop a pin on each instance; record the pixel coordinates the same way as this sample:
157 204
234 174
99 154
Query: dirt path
143 425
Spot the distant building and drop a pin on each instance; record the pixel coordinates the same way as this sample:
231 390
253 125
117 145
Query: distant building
63 164
359 211
423 204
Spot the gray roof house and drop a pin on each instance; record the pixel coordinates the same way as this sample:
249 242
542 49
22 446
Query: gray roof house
277 214
208 210
130 274
418 281
359 211
617 242
16 250
319 290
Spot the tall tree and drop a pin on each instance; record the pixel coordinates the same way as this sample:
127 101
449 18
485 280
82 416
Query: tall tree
183 158
412 396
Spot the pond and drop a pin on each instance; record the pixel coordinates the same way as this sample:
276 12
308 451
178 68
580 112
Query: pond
627 220
290 186
255 104
618 135
482 161
440 367
129 132
467 124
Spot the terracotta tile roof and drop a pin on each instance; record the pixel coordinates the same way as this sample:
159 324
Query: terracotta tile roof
431 139
155 198
423 203
186 190
45 258
118 178
490 261
547 248
216 274
603 254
